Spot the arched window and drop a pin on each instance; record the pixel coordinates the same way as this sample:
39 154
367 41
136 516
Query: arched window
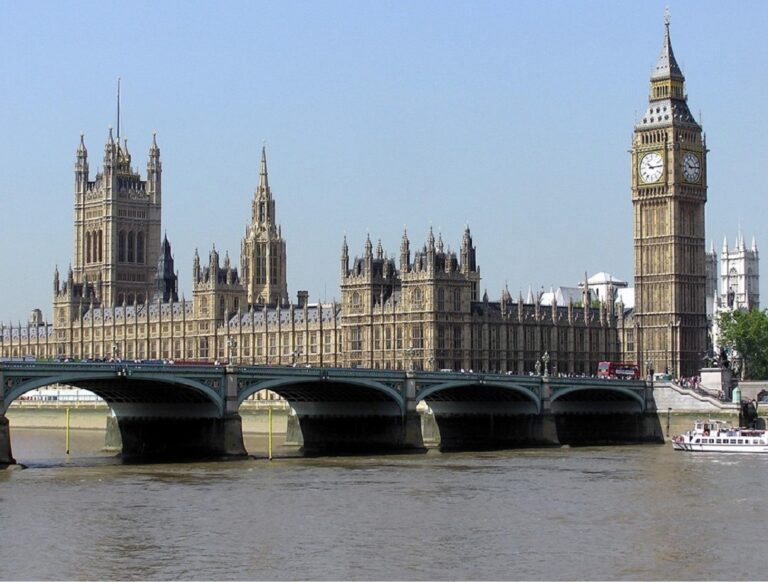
121 247
140 248
131 247
417 298
87 247
356 300
441 299
100 246
221 307
457 299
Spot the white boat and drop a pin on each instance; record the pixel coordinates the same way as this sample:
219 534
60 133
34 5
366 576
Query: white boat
716 436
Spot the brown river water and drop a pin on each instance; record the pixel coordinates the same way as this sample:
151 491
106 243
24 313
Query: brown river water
642 512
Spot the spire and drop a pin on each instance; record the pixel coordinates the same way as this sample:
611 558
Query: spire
368 246
754 244
725 244
667 67
263 179
379 250
81 151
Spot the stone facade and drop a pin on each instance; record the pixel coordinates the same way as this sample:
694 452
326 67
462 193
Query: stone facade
423 311
669 192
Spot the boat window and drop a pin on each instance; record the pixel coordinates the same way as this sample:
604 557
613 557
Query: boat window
755 442
718 441
741 441
697 440
733 441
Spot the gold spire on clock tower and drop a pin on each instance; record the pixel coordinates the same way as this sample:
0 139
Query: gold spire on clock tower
669 192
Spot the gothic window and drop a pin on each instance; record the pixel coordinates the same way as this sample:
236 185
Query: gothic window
327 342
87 247
356 303
221 307
457 338
204 306
441 299
417 337
121 247
140 298
399 338
417 298
441 337
140 248
131 254
457 299
388 338
377 339
356 339
100 245
203 347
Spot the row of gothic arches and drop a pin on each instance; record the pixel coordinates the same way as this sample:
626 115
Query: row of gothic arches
131 247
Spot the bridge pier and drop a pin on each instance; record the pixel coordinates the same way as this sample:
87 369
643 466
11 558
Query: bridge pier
361 434
489 431
6 457
162 438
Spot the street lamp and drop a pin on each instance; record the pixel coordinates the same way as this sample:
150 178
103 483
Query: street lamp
409 358
231 345
295 355
114 350
545 359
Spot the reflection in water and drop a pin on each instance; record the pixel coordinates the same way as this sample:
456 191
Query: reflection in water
606 513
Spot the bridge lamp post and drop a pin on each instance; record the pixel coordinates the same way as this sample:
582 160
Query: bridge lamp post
295 355
545 360
114 350
231 345
409 358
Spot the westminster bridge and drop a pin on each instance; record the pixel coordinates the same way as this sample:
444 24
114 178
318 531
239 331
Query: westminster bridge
168 411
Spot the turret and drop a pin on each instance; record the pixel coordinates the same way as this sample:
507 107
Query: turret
81 166
196 268
154 171
405 253
344 258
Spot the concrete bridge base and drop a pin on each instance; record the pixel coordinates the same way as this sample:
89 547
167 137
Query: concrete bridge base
613 429
361 434
488 432
150 439
6 457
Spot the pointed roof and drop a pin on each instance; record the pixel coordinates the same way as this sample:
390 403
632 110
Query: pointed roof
667 67
263 179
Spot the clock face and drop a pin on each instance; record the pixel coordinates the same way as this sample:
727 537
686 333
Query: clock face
691 167
651 167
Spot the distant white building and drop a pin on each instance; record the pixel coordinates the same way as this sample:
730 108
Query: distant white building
739 282
602 286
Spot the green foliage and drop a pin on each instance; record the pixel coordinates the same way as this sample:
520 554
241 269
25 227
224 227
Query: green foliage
747 333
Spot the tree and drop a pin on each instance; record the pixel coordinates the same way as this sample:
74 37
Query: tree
746 332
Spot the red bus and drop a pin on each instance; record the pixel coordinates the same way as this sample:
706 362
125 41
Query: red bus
619 370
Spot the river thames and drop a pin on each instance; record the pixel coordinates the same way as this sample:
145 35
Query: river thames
641 512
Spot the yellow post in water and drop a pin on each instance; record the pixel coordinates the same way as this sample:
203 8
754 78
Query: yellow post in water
67 433
269 432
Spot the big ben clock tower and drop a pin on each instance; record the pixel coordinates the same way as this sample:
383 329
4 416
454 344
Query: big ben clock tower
669 191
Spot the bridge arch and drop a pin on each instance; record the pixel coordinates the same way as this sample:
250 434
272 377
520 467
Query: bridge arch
609 392
304 389
473 388
106 385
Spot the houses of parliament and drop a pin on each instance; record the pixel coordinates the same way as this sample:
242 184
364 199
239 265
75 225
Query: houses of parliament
422 310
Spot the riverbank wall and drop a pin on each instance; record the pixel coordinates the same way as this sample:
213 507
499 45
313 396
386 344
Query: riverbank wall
91 416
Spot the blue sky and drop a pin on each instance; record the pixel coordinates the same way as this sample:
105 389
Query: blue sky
512 117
